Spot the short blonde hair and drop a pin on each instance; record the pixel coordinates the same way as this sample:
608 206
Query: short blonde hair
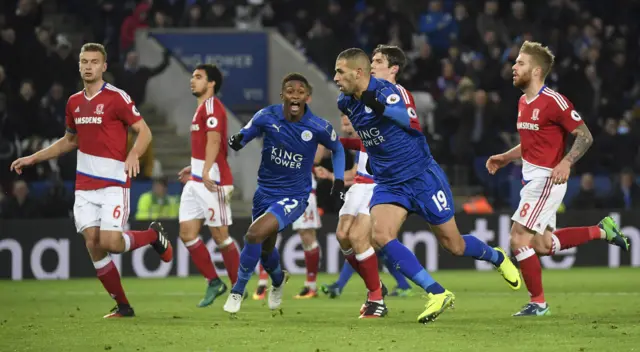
541 55
95 47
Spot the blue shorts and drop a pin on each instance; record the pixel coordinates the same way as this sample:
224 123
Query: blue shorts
428 195
286 209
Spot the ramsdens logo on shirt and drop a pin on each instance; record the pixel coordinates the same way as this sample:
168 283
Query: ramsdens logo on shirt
371 137
88 120
286 158
528 126
195 127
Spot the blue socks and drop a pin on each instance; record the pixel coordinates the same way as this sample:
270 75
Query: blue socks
271 264
481 251
249 258
403 284
345 274
402 258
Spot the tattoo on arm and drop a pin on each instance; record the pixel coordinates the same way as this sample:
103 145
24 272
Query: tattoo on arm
580 145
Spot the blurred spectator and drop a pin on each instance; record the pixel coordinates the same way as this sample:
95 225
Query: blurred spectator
64 66
133 78
137 20
53 115
586 197
438 26
23 112
193 17
20 205
626 194
157 204
57 202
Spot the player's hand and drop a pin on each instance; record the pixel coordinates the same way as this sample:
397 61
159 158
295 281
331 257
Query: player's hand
337 191
209 184
496 162
235 141
368 97
18 164
323 173
185 174
560 173
132 165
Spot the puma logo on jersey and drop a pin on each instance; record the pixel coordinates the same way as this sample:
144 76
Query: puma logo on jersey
88 120
528 126
276 127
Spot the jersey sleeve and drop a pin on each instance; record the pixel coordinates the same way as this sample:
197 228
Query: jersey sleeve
69 121
329 138
566 115
254 127
411 109
395 107
126 110
213 114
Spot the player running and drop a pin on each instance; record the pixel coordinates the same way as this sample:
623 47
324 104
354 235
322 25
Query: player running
407 180
306 226
354 225
545 119
206 196
97 120
291 137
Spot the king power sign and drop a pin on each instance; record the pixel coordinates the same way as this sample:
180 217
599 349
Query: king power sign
28 252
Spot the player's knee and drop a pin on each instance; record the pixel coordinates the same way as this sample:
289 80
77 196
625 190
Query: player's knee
114 244
219 236
187 236
342 235
255 235
542 244
519 237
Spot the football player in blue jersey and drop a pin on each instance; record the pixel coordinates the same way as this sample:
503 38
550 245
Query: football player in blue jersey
291 136
408 180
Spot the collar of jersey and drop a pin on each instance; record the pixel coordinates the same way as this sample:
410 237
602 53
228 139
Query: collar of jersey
542 89
307 113
84 91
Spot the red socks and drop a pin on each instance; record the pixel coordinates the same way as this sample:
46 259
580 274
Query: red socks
136 239
368 264
572 237
231 258
110 278
531 272
312 262
202 259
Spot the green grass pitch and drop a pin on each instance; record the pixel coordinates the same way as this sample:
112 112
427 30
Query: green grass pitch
592 310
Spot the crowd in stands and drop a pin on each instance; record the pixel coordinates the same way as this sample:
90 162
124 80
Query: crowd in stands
460 56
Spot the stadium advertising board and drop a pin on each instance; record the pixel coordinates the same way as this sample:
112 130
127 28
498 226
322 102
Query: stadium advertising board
241 56
50 249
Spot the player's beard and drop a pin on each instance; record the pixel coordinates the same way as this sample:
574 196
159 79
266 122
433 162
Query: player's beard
198 94
522 82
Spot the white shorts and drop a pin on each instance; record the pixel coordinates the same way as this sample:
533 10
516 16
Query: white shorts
539 202
357 199
311 218
197 202
107 208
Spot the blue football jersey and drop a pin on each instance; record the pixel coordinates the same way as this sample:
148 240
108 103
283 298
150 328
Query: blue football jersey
396 152
289 149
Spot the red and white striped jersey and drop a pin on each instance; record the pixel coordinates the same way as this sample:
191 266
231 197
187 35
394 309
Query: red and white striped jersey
411 107
210 116
101 124
544 124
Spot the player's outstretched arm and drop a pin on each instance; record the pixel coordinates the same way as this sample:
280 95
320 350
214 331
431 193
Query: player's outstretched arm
351 143
63 145
251 130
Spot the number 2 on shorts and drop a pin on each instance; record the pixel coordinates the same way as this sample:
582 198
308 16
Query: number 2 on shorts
288 204
440 199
